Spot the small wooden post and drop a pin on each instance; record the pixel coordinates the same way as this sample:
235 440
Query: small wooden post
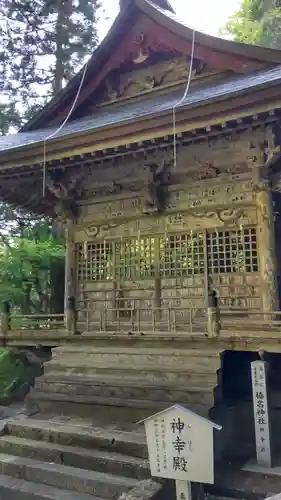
71 316
213 314
183 490
6 319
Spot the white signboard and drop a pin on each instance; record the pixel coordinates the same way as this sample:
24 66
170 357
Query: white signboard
180 445
262 431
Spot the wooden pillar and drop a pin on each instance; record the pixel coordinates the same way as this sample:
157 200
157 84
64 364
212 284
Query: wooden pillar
70 271
266 247
213 313
157 298
71 316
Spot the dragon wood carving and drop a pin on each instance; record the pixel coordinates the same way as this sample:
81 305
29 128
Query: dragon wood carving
225 216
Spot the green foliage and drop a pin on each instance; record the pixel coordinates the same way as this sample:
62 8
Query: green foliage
28 252
25 273
42 45
257 22
13 372
9 116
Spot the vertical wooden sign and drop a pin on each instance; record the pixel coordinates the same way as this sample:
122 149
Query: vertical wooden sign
261 416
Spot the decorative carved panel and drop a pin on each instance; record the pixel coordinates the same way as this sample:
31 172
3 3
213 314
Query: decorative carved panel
146 78
223 161
178 222
238 290
206 235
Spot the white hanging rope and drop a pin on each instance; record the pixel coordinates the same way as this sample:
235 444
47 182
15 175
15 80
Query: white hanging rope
77 97
59 129
183 97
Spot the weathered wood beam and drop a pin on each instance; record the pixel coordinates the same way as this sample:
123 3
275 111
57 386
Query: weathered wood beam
12 191
187 138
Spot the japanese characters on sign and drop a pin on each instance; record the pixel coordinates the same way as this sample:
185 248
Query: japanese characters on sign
262 430
180 445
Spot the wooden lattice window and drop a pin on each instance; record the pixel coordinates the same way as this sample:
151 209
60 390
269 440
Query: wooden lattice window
182 254
135 258
232 251
94 261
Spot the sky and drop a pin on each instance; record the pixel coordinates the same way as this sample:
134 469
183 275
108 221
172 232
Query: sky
204 15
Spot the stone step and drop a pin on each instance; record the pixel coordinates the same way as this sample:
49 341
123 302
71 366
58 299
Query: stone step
89 437
124 397
189 364
85 406
72 456
191 396
65 477
145 349
174 376
12 488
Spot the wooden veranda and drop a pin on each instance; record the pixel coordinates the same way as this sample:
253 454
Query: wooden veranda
228 328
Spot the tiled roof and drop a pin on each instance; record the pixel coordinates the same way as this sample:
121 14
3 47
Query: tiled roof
121 113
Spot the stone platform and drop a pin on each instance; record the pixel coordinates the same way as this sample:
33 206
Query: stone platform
126 380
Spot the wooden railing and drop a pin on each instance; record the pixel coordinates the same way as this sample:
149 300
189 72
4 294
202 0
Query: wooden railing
142 319
251 319
100 317
12 321
37 322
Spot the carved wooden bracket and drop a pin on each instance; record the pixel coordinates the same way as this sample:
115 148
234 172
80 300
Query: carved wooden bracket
157 184
262 185
66 191
207 170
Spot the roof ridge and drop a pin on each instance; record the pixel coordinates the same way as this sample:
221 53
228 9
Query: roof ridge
163 4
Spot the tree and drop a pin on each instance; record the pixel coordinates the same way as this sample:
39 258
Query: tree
29 254
9 116
42 45
257 22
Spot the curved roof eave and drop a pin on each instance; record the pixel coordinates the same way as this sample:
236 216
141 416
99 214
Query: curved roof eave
167 19
171 21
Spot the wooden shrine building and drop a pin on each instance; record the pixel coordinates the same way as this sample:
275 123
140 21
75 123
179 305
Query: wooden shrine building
168 193
147 230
